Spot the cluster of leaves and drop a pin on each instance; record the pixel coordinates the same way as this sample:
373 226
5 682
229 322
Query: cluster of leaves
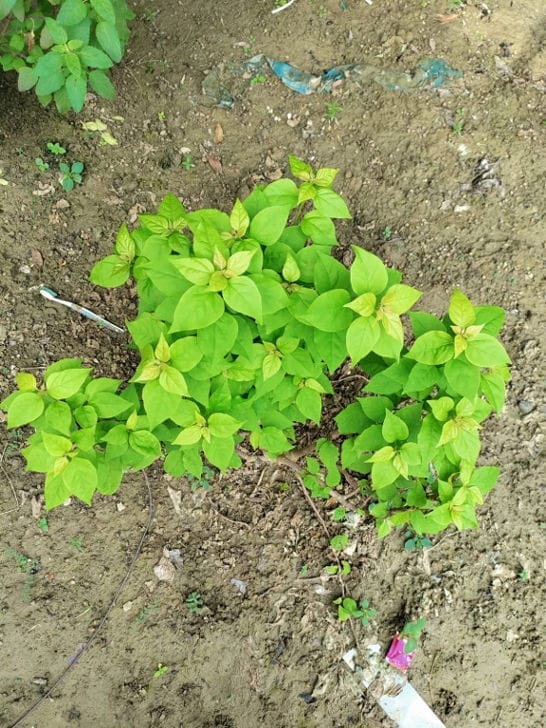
348 608
411 633
242 319
60 47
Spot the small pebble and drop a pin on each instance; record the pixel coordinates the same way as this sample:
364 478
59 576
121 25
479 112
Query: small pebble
525 407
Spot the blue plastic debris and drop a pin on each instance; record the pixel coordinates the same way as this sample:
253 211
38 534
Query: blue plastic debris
432 72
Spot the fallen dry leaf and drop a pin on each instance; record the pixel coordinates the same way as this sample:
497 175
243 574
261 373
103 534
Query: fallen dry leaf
37 259
215 164
218 134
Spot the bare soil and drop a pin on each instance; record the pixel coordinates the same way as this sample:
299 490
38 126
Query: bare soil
271 658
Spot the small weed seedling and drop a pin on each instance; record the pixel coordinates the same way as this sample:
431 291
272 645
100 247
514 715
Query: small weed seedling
387 233
56 149
348 608
42 166
161 670
415 542
259 79
194 603
76 543
332 110
187 162
412 632
524 575
19 151
70 175
333 569
161 115
249 46
204 481
458 124
456 4
145 612
43 525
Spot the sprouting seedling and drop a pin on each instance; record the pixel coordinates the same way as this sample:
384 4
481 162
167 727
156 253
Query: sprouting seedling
194 602
71 175
458 124
42 166
56 149
348 608
76 543
187 162
415 542
412 632
161 670
386 233
332 110
161 115
43 525
259 79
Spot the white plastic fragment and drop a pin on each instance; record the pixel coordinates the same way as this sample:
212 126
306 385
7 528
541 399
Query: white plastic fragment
400 701
240 584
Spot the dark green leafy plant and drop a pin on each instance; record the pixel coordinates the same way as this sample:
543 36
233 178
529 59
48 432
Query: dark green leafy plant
61 48
348 608
71 175
243 317
411 632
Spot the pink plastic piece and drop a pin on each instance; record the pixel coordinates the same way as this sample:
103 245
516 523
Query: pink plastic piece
396 655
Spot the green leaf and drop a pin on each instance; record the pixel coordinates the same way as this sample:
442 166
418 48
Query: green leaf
56 445
463 377
432 347
362 335
400 298
309 403
394 428
483 350
329 203
108 39
268 224
58 416
422 322
222 426
185 353
80 477
110 272
491 318
188 436
319 228
485 478
64 384
172 209
216 340
49 84
441 407
421 377
71 12
101 84
197 309
219 451
173 381
383 474
95 58
196 270
76 87
368 273
105 10
239 219
145 443
282 192
461 311
55 491
300 170
494 389
109 405
27 78
109 474
24 408
325 176
243 296
328 312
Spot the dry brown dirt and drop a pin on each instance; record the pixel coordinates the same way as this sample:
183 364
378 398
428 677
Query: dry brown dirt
246 660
